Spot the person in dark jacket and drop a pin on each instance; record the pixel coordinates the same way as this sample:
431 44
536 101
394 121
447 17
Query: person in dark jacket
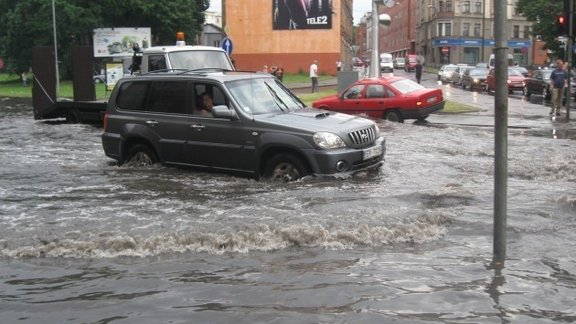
418 70
558 79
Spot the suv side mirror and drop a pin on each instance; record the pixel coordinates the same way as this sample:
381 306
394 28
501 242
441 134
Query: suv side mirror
224 112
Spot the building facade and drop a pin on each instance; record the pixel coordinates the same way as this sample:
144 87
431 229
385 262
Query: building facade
291 34
462 31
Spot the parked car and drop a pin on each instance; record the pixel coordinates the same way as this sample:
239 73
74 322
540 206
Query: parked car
391 98
356 61
445 72
99 78
399 62
474 78
410 62
538 83
522 70
456 77
515 80
257 127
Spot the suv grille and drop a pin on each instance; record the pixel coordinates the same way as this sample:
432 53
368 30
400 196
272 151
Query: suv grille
362 136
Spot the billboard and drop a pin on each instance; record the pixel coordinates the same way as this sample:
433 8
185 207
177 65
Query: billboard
118 42
301 14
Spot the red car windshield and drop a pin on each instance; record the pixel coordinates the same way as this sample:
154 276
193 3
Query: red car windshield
405 86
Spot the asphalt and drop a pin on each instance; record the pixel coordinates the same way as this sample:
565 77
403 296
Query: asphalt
523 113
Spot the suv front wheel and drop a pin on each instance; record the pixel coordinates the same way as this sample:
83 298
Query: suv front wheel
140 155
285 167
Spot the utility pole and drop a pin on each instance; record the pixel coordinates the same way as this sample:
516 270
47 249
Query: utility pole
569 52
374 71
500 133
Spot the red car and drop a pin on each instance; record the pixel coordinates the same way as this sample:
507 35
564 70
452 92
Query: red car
516 81
391 98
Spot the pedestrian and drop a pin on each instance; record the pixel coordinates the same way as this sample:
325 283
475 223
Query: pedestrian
314 75
265 69
338 65
418 70
24 77
280 73
558 79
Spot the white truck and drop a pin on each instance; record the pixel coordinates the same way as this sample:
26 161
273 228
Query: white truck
182 57
386 63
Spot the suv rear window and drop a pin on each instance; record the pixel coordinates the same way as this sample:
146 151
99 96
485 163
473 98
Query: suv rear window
161 96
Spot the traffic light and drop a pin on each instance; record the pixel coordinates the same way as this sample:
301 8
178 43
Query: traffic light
561 25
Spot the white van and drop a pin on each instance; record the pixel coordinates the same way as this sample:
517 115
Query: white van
492 61
386 63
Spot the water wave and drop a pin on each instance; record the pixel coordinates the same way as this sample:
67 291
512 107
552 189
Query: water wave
425 228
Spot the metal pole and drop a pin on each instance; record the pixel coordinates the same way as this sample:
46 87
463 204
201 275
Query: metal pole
483 29
569 55
501 132
55 51
374 71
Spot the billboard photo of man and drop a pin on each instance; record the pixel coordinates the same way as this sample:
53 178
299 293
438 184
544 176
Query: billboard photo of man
301 14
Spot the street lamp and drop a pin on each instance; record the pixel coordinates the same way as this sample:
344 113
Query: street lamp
384 19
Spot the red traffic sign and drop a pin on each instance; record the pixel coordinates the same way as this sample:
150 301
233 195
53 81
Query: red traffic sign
445 50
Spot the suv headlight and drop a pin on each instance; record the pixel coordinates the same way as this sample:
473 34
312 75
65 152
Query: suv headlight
327 140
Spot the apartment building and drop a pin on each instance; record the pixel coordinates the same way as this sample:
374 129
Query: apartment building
453 31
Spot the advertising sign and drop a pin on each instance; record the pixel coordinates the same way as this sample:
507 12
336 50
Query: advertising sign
118 42
301 14
114 72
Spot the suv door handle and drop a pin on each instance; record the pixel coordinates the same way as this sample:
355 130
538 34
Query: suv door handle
151 123
197 127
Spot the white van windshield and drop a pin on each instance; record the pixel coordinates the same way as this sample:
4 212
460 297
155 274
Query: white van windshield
197 59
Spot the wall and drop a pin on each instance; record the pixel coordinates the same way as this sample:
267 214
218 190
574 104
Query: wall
249 24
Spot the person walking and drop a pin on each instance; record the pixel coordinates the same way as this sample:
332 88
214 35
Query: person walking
24 77
314 76
418 70
558 79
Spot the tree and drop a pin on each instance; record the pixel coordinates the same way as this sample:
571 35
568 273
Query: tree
28 23
543 14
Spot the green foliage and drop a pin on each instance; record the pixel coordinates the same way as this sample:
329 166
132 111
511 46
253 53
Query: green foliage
543 14
28 23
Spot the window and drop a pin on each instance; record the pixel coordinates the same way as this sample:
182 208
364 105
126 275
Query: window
130 96
526 31
477 30
478 7
516 31
445 6
354 92
156 62
167 97
466 29
466 7
445 29
375 91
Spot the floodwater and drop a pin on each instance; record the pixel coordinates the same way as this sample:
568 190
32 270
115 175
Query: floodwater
83 240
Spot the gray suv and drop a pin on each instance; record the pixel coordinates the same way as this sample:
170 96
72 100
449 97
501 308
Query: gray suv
256 127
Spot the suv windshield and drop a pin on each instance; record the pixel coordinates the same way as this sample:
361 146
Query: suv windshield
263 96
194 60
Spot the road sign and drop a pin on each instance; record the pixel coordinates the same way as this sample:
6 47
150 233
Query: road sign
227 45
445 50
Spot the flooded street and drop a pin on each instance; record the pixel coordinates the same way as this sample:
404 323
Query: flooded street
83 240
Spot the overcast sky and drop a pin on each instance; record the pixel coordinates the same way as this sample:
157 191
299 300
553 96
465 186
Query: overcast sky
360 8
